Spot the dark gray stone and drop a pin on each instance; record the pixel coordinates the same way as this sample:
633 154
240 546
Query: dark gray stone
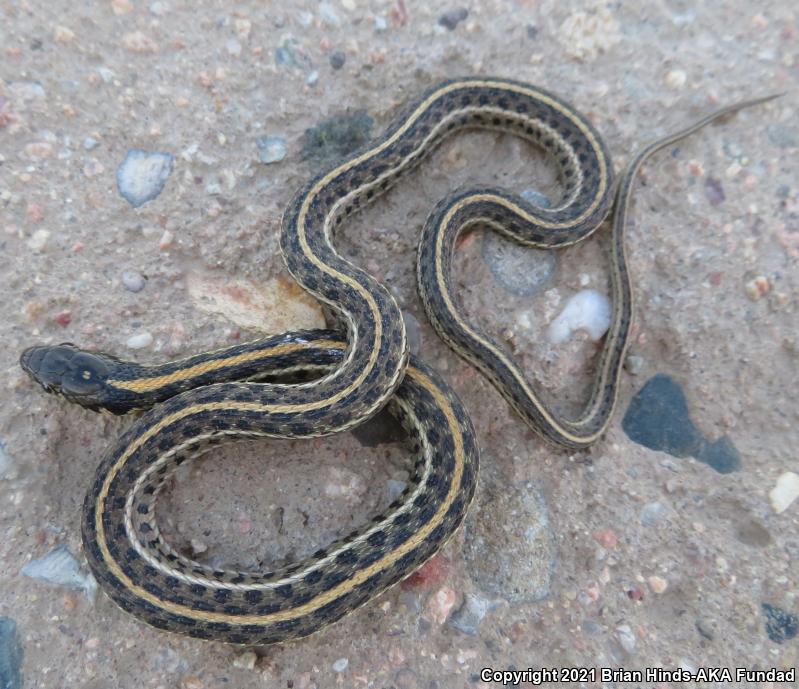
658 418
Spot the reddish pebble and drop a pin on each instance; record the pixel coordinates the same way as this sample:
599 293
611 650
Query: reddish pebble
635 593
606 538
716 278
35 212
64 318
431 573
245 524
440 604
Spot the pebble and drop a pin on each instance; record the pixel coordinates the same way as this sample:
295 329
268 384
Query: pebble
676 79
142 175
89 144
440 605
380 24
137 42
312 78
705 628
11 655
606 538
512 557
93 168
340 665
328 14
271 149
633 364
626 637
133 280
584 35
467 618
657 584
245 661
714 191
587 310
518 269
337 59
59 567
451 18
785 492
780 625
658 418
757 287
139 341
652 513
752 532
270 306
158 8
394 488
337 137
38 240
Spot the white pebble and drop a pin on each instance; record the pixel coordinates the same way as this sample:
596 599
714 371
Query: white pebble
785 492
142 175
246 661
133 280
587 310
341 664
59 567
676 79
139 341
38 240
626 637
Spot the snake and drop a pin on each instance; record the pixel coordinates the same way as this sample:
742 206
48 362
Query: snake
312 383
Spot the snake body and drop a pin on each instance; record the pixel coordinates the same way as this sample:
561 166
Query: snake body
240 391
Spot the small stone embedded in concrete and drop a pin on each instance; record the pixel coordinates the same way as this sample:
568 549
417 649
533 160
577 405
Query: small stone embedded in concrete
467 618
783 135
394 489
634 364
337 59
59 567
133 280
658 418
440 604
451 18
512 558
245 661
587 310
340 665
785 492
652 513
518 269
714 191
142 175
626 637
89 143
11 655
139 341
271 149
781 626
337 137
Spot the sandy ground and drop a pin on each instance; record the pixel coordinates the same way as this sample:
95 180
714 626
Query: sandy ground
621 556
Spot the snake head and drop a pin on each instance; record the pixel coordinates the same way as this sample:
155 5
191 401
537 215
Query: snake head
75 374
